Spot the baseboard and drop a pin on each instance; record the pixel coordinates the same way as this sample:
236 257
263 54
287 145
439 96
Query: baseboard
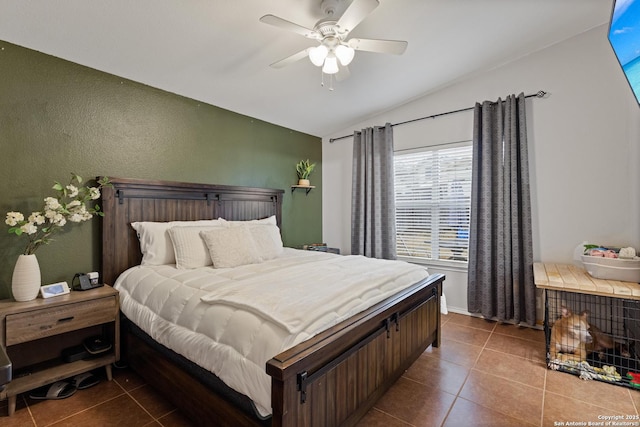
539 324
459 311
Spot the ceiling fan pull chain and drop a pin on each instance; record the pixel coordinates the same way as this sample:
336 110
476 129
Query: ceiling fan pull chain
330 80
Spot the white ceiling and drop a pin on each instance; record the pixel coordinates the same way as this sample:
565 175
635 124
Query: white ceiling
217 51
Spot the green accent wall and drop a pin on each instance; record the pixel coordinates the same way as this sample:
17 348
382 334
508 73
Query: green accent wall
57 117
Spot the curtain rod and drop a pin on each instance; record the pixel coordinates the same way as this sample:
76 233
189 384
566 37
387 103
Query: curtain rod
538 94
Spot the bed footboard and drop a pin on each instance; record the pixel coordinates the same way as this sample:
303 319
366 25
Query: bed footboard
336 377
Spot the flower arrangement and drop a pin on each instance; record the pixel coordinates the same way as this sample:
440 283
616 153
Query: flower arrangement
72 204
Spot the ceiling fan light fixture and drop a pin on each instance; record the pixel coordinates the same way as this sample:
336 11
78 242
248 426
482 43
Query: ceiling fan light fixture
318 54
345 54
334 49
330 65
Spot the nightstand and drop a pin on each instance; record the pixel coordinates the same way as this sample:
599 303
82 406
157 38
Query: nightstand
34 333
321 247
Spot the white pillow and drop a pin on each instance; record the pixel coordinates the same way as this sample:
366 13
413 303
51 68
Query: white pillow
189 248
230 247
267 239
155 243
269 220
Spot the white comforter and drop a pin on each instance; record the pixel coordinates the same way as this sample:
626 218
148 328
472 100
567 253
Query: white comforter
232 321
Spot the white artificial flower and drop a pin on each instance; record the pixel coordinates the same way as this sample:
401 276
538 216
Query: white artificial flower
58 220
29 228
73 190
84 214
76 217
13 218
78 209
73 204
36 218
94 193
51 204
50 214
78 213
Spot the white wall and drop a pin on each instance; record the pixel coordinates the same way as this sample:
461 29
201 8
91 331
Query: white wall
584 145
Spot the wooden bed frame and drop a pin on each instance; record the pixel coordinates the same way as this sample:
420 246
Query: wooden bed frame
332 379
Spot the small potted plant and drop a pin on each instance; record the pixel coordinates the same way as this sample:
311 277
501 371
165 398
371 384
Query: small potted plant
304 169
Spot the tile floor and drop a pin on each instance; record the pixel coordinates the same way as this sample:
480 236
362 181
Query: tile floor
484 374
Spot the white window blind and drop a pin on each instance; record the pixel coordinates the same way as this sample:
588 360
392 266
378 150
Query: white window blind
433 199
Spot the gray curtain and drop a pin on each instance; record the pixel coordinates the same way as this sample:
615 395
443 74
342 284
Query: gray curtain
500 280
373 222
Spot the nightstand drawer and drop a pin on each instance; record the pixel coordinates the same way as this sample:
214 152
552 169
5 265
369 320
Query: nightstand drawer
44 322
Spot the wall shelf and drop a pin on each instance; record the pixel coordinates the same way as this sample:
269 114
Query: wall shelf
303 187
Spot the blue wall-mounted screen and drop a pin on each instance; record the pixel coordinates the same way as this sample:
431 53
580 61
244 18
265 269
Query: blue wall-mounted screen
624 36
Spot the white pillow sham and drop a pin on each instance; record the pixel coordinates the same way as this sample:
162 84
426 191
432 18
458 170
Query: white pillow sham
189 248
155 243
231 247
265 233
267 240
270 220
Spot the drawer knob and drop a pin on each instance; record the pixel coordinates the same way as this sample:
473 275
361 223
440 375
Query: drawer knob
65 319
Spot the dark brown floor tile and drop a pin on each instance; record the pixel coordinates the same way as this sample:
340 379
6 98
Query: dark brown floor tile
561 409
49 411
522 332
529 372
152 401
635 397
466 413
175 419
127 378
455 352
121 411
444 318
505 396
20 418
596 393
504 384
375 418
531 350
472 321
465 334
438 373
415 403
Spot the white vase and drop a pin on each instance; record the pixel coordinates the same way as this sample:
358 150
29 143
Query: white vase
303 182
25 283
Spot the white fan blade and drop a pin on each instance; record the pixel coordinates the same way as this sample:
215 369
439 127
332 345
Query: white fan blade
342 74
291 59
395 47
290 26
355 13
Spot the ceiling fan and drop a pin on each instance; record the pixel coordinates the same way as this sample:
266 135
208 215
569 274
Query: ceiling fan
334 50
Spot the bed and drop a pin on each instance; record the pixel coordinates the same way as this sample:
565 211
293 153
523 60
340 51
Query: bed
332 378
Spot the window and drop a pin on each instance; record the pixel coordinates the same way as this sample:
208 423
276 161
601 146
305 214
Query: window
433 201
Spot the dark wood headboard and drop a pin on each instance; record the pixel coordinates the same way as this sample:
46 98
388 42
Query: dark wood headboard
131 200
